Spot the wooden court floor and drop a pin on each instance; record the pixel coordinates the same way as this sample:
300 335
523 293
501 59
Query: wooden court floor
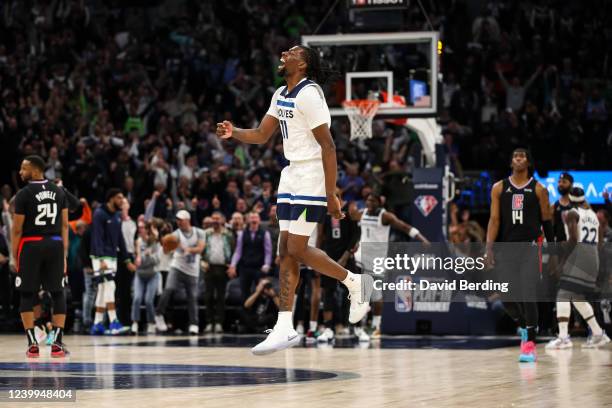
148 371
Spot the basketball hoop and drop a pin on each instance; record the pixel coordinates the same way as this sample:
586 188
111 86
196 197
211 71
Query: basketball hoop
360 113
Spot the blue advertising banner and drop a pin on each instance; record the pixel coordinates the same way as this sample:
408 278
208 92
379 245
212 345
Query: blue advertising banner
594 183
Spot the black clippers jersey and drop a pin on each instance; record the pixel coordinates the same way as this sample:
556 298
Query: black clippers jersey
559 209
520 212
340 236
42 203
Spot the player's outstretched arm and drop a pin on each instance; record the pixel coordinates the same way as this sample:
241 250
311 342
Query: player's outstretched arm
262 134
391 219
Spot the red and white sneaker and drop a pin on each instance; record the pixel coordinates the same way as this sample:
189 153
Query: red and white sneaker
33 351
59 350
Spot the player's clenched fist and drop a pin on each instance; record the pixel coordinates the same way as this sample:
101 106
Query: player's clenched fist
334 207
224 129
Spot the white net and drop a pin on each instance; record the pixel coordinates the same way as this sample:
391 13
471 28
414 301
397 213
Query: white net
361 112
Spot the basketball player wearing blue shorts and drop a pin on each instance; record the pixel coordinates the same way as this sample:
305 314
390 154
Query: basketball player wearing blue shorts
306 190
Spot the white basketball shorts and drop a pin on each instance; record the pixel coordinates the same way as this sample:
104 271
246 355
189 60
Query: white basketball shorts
301 201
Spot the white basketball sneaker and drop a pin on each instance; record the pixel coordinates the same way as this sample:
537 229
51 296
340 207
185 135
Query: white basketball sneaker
559 343
597 341
360 298
160 323
278 339
134 328
194 329
326 336
362 335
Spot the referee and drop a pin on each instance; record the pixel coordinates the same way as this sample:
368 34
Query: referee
40 246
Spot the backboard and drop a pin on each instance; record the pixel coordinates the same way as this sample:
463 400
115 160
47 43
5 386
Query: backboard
374 65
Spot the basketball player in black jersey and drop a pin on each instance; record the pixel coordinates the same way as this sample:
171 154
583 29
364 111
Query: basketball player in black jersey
550 280
519 211
564 185
40 247
338 238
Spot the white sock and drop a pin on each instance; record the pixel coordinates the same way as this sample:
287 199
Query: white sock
586 311
313 325
285 320
562 330
112 315
99 317
352 281
563 311
376 322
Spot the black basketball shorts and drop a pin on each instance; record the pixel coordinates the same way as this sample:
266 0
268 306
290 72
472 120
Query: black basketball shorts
40 261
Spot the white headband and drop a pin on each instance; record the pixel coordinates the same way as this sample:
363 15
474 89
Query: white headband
576 199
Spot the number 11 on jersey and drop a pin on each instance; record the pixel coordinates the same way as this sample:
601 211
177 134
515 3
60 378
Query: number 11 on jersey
284 129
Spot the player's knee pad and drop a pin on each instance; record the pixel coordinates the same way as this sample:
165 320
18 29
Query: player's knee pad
26 303
109 292
59 302
100 296
563 309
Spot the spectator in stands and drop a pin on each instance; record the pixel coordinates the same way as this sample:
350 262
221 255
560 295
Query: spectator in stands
147 276
253 254
260 307
274 229
515 92
217 255
184 271
236 224
125 272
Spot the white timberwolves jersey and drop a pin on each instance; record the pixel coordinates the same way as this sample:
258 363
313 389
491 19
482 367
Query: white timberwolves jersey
298 112
372 228
588 226
375 236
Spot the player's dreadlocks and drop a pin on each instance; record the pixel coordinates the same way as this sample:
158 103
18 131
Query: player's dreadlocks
315 69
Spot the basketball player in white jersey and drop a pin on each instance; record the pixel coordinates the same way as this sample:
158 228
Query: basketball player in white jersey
579 276
306 189
376 223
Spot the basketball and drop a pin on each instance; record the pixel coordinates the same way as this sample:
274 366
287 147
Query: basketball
170 242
